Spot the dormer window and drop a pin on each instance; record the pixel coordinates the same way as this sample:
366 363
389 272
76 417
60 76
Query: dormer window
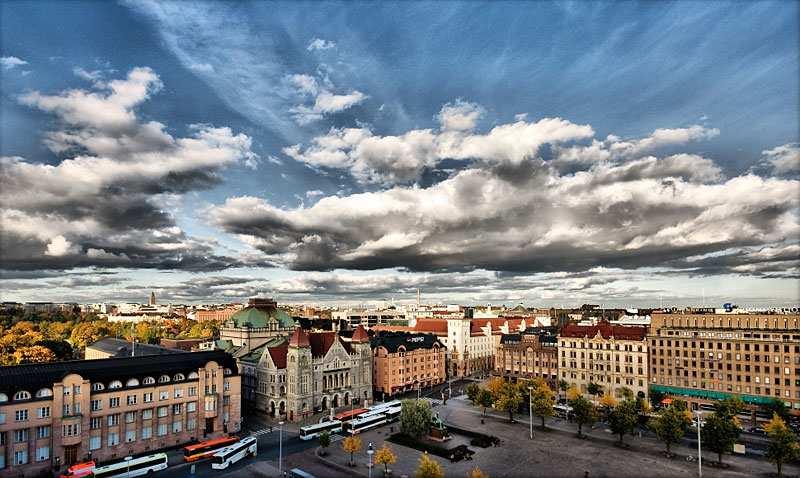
44 392
22 395
163 379
178 377
115 384
148 381
132 383
96 387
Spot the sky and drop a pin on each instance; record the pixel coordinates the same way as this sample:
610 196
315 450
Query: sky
545 153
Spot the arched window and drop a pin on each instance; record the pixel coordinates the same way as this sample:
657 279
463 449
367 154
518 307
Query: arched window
227 371
132 383
148 381
44 392
3 398
193 376
115 384
22 395
97 386
163 379
178 377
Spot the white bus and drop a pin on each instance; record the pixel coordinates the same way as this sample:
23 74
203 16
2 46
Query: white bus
143 465
384 406
233 453
360 424
313 431
392 414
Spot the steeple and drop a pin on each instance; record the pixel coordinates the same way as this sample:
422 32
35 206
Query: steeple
152 300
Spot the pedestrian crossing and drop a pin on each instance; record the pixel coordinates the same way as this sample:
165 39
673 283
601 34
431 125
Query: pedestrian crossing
261 431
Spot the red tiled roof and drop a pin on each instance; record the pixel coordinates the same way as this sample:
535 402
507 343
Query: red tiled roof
392 328
278 355
360 335
476 325
436 326
299 338
321 342
606 330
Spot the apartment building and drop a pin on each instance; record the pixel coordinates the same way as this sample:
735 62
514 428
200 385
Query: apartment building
403 361
612 356
529 354
58 414
706 357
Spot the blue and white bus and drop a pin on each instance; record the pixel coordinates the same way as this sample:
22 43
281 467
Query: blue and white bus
233 453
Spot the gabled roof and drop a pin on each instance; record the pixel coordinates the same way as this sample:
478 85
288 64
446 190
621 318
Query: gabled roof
360 335
436 326
278 355
299 338
605 330
321 342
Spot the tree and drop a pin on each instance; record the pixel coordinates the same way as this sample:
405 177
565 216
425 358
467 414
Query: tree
351 444
626 393
777 406
563 386
783 446
477 473
385 456
509 400
656 397
573 392
671 425
720 433
324 441
622 419
608 402
542 402
472 392
495 387
415 417
34 354
582 412
428 468
594 389
484 399
60 348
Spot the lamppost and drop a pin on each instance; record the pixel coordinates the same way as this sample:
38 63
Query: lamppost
370 451
280 447
128 462
530 413
699 452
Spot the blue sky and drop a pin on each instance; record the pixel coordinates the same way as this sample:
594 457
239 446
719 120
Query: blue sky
718 80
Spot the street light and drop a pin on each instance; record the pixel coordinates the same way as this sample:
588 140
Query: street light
370 451
280 447
699 455
128 461
530 413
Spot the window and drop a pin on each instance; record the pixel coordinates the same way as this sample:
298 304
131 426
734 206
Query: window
96 387
44 392
148 381
22 395
163 411
115 384
163 379
43 432
132 383
96 423
2 418
147 433
131 399
20 457
178 393
113 438
43 453
193 376
21 436
71 430
163 394
191 407
113 420
192 391
148 397
178 377
177 409
96 405
162 429
95 442
76 389
130 417
21 415
147 414
130 436
43 412
113 402
3 398
191 424
226 385
66 410
177 427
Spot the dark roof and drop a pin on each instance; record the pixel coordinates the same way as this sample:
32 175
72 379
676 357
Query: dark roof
32 377
122 348
321 342
606 330
278 355
260 313
392 341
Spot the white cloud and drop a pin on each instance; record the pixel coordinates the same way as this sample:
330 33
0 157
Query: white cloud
460 116
325 101
314 193
95 76
11 62
320 44
783 159
59 246
202 67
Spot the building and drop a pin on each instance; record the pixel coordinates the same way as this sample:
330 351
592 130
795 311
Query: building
706 357
403 361
152 301
57 414
111 347
529 354
612 356
215 313
256 324
186 345
369 317
313 372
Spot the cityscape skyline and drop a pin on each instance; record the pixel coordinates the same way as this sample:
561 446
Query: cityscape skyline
216 152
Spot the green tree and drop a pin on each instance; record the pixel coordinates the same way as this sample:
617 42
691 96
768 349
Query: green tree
594 389
720 433
671 425
656 397
563 386
777 406
583 412
415 417
626 393
324 441
472 392
623 418
484 399
60 348
428 468
509 400
783 446
542 401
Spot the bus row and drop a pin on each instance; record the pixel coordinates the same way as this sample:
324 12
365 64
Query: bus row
353 423
222 451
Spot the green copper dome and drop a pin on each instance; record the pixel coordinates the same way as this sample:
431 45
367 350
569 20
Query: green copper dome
260 313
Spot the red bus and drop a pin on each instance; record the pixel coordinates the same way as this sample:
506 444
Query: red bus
205 449
79 470
350 414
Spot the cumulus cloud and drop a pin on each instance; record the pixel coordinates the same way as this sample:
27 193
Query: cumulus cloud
202 67
324 100
461 116
784 159
104 204
320 44
11 62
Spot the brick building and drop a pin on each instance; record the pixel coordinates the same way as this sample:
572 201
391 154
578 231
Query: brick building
529 354
403 361
57 414
706 357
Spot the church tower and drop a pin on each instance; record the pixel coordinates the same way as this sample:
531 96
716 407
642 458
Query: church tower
152 300
299 393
